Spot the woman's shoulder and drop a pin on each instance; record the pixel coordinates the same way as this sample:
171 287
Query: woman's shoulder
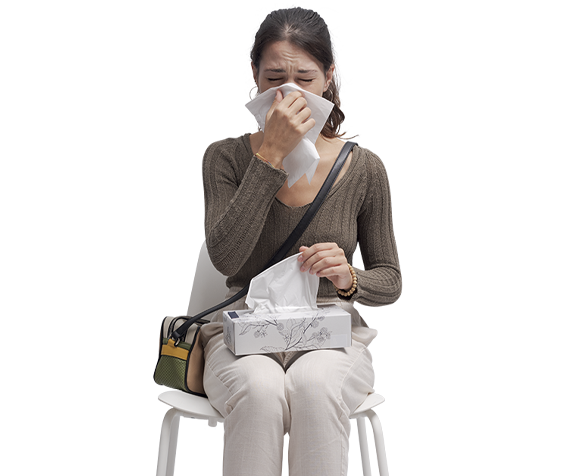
369 162
230 146
368 156
231 155
370 171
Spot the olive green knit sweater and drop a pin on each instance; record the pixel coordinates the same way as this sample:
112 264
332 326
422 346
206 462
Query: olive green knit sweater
245 223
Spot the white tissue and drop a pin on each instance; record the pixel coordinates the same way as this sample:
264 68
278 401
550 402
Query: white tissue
283 288
304 158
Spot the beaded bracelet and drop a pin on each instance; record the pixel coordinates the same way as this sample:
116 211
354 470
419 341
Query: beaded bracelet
264 159
353 287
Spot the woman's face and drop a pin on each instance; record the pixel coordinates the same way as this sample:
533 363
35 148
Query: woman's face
282 62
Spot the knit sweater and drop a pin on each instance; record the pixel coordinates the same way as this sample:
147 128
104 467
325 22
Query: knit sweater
245 223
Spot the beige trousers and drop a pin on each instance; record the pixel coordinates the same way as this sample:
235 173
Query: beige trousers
309 394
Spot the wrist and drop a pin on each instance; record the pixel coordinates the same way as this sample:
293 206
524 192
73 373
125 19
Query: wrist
346 284
347 293
268 155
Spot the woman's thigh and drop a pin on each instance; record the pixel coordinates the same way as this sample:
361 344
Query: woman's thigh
342 374
228 378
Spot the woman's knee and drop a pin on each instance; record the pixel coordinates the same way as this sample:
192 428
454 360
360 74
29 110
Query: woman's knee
260 386
328 379
313 386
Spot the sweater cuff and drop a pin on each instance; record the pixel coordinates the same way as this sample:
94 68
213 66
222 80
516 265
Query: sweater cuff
373 289
262 181
264 167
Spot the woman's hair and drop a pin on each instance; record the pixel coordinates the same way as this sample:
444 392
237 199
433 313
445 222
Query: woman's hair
308 31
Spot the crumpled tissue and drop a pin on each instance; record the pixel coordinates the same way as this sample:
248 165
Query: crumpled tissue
304 158
283 288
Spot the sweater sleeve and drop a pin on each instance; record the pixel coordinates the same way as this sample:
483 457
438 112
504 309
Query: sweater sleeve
380 282
237 202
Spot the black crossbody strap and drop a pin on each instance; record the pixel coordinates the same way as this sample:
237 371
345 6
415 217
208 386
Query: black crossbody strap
315 205
289 243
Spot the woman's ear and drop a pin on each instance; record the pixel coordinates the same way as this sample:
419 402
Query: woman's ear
329 75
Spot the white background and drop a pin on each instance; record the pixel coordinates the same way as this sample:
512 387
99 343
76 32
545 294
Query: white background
488 205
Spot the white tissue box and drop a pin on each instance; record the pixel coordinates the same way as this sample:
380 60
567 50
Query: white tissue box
245 332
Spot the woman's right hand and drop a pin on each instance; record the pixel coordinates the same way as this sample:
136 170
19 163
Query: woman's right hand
286 123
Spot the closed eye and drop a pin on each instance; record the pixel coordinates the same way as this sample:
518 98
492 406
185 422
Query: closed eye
278 79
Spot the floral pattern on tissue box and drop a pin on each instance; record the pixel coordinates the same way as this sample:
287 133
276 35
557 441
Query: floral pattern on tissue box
307 330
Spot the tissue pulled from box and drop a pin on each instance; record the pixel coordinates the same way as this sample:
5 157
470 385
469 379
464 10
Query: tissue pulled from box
283 288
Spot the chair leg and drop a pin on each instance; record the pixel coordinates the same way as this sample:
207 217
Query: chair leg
168 443
173 437
379 442
364 445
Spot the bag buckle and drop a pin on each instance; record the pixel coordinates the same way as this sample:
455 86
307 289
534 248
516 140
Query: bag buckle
175 338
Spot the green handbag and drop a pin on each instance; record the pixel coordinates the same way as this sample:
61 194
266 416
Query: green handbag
181 366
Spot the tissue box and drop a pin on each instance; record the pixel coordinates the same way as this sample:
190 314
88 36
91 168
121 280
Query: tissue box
246 332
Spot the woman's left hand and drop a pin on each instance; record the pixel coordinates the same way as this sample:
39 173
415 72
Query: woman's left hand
327 260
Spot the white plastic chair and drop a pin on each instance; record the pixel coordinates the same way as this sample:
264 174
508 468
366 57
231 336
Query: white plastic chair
208 290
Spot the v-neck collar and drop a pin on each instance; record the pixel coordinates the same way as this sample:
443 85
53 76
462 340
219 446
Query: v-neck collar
356 154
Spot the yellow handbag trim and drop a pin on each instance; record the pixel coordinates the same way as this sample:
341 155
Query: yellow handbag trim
173 351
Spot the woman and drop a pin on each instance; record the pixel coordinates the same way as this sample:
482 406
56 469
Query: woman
249 212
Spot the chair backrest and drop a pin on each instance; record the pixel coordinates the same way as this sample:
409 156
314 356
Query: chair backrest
209 286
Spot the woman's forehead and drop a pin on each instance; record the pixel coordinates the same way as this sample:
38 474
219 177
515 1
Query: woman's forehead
281 54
